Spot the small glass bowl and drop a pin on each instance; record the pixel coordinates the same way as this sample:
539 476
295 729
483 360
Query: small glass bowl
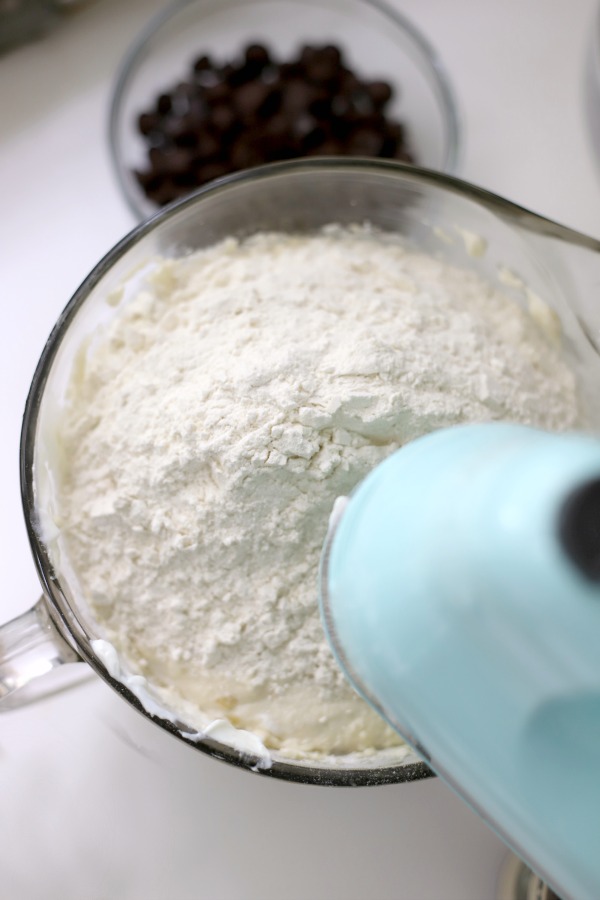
378 43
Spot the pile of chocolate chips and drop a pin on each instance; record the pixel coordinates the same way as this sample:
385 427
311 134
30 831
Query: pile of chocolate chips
256 110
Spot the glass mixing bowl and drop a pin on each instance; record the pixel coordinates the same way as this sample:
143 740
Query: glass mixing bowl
531 256
379 43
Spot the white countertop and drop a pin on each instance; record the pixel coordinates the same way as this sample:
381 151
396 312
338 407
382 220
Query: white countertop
88 813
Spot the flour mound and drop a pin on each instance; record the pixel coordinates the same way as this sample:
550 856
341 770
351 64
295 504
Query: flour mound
214 423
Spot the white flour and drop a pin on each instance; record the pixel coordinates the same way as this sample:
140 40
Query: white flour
217 419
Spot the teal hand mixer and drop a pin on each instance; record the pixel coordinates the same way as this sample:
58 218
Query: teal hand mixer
460 591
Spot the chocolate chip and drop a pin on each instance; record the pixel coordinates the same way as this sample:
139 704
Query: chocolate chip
171 161
164 104
210 171
224 73
218 93
289 70
222 117
320 107
183 91
199 110
257 53
296 97
148 179
255 109
403 155
244 155
202 63
255 99
148 122
185 179
257 59
380 93
332 54
321 71
273 138
241 75
207 146
307 54
340 127
395 130
361 104
164 193
366 142
309 132
272 75
393 139
329 147
348 81
206 78
181 131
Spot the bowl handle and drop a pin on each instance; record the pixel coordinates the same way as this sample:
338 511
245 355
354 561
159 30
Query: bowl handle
30 646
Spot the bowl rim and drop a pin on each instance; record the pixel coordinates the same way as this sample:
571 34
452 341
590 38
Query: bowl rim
61 613
438 73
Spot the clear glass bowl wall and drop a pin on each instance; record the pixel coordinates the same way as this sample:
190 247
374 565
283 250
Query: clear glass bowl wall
431 211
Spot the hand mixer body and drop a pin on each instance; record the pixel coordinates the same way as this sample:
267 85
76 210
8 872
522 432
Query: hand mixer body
456 602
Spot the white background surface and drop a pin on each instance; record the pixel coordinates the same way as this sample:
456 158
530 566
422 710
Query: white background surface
85 813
